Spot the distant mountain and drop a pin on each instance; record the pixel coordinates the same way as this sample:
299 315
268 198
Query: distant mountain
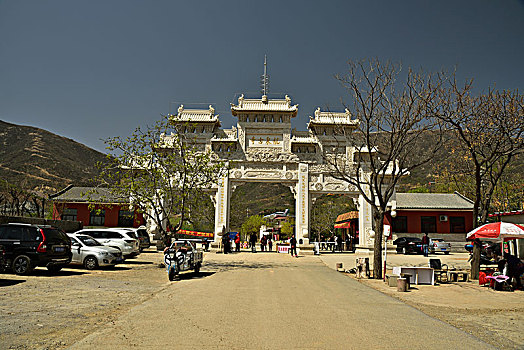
36 158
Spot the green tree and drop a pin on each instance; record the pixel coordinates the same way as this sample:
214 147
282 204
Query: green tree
162 172
288 228
252 225
325 211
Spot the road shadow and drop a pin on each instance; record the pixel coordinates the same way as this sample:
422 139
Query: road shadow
115 268
194 275
236 265
137 262
10 282
43 272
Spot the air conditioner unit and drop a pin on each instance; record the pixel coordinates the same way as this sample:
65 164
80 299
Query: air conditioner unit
443 218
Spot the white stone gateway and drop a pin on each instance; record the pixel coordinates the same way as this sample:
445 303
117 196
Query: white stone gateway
263 148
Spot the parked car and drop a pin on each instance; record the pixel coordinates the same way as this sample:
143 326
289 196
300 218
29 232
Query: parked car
28 246
115 237
143 236
439 245
406 245
89 252
2 259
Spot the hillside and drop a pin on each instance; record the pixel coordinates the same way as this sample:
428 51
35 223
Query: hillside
34 158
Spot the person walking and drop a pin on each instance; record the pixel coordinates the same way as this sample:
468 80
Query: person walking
293 246
237 242
225 242
263 243
339 243
253 242
425 244
270 243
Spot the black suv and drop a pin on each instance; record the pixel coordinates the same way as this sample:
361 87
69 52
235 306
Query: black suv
28 246
408 245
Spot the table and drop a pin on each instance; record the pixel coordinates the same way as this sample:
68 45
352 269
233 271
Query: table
419 274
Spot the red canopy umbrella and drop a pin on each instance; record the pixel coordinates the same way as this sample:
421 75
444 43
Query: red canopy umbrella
497 231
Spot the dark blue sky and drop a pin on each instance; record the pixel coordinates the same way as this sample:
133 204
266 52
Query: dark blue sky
93 69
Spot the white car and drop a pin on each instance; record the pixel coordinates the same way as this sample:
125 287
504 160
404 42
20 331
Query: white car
89 252
116 238
439 245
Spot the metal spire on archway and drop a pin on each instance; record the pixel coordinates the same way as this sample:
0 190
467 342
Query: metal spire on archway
265 79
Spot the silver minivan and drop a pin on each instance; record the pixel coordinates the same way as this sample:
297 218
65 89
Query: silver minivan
89 252
116 238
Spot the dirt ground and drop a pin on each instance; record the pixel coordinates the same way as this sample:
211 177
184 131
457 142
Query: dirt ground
496 317
41 311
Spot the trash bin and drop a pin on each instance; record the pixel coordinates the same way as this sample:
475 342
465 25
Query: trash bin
407 276
402 285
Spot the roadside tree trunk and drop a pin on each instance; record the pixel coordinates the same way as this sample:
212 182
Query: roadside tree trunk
475 260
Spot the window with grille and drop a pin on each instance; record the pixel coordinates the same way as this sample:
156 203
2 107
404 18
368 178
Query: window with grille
125 218
97 218
70 214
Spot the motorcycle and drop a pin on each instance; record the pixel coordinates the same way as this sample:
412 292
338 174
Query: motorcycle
182 255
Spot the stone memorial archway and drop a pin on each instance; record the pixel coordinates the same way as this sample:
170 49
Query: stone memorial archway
263 148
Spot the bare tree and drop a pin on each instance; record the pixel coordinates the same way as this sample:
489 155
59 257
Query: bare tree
490 129
397 114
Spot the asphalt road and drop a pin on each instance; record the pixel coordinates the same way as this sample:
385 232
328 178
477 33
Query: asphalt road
274 301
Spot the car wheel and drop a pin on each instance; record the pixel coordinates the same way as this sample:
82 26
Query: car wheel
22 265
90 263
54 268
446 253
197 268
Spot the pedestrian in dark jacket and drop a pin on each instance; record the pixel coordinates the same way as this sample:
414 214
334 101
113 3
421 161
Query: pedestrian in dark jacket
425 244
226 243
293 246
270 243
253 242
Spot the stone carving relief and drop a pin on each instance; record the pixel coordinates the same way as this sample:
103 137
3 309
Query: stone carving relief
268 156
335 187
263 174
318 187
289 175
237 174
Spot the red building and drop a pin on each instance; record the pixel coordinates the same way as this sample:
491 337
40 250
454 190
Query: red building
71 204
441 215
435 213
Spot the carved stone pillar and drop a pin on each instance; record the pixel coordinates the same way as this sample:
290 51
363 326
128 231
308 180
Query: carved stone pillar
302 204
222 200
364 222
